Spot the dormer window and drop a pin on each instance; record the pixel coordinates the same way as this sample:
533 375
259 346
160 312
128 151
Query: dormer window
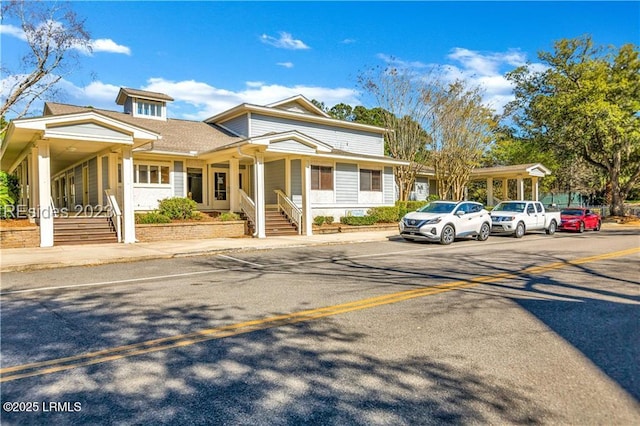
141 103
152 109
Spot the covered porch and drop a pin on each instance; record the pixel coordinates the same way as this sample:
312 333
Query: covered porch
77 164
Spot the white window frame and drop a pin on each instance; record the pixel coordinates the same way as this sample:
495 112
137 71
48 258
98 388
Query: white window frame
148 165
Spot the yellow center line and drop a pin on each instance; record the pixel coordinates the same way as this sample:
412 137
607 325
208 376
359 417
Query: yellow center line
155 345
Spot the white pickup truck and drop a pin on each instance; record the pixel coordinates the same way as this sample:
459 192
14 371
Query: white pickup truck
519 217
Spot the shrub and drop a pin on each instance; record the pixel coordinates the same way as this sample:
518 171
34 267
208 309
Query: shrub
384 214
227 216
177 208
152 217
9 194
328 220
318 220
358 220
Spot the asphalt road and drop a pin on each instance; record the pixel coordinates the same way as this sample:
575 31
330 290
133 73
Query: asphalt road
543 330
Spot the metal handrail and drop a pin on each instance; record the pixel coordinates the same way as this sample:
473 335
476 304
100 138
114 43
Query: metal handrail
114 211
289 208
247 206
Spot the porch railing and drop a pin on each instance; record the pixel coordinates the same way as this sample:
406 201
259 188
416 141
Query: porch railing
114 213
290 210
247 206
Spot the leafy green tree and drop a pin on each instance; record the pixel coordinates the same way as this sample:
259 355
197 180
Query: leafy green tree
585 103
341 111
372 116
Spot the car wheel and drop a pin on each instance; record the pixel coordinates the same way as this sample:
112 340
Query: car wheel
448 235
519 230
485 230
598 226
552 228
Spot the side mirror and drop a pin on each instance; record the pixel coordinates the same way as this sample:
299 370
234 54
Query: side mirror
460 213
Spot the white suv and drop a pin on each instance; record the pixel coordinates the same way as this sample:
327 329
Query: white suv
444 221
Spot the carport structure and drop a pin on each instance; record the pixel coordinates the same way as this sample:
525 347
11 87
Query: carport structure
501 175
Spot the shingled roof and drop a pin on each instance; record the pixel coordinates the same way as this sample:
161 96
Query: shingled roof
180 136
144 94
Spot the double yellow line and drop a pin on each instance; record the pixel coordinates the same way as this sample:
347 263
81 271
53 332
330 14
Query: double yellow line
112 354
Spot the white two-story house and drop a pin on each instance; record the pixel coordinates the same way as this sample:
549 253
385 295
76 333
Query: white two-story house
288 156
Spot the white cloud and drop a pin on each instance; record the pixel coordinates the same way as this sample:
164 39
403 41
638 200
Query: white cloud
484 69
286 41
98 45
285 64
198 100
348 41
109 46
13 31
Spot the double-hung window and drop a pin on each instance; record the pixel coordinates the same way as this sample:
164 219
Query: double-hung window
322 178
370 180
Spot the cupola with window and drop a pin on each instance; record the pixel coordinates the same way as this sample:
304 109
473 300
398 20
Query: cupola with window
143 104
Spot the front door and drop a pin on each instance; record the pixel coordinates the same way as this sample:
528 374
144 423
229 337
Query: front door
194 184
220 189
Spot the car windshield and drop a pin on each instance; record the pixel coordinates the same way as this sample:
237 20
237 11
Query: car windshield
572 212
438 208
510 207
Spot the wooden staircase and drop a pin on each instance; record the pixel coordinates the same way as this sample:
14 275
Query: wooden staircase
276 224
83 230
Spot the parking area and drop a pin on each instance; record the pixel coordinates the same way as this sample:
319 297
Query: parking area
539 329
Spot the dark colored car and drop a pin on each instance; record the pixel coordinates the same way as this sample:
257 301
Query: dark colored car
578 219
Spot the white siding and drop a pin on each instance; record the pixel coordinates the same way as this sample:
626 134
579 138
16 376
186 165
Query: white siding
291 146
178 179
146 198
238 125
388 186
296 182
346 183
273 179
354 141
91 130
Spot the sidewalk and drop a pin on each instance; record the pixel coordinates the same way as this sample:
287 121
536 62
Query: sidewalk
24 259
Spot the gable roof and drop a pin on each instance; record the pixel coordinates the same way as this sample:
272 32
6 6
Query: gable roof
298 104
245 108
126 92
179 136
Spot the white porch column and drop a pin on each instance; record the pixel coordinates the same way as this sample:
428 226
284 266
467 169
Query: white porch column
33 179
535 188
45 211
490 192
234 184
307 219
113 173
128 216
520 188
505 189
260 198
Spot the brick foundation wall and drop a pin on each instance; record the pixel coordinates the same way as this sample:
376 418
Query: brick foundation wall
189 231
20 237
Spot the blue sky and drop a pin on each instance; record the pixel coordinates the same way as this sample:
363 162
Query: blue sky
211 56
